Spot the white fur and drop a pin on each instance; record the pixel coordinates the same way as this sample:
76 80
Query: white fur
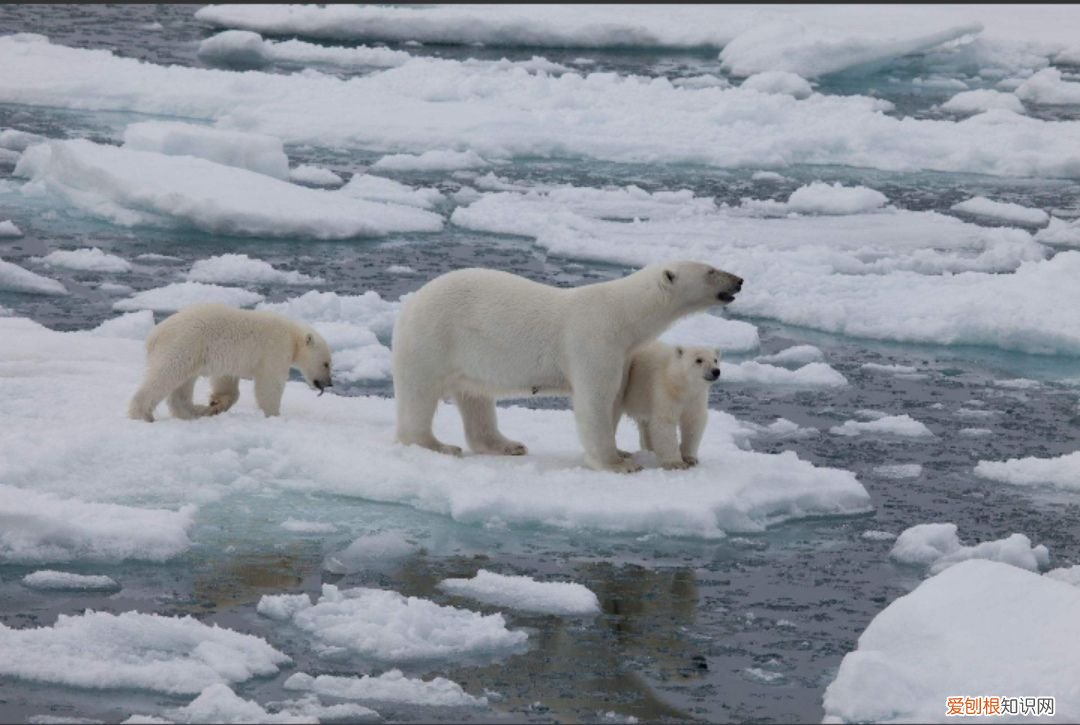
668 388
479 335
226 344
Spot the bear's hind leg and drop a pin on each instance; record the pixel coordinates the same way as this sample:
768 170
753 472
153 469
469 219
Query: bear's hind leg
416 404
156 386
180 403
224 392
482 428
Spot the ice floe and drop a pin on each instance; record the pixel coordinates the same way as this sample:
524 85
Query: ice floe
134 188
252 151
50 580
88 260
131 325
245 49
794 355
315 176
377 188
1060 233
713 331
1050 88
524 593
1003 211
938 547
232 268
1060 472
778 81
903 426
820 198
371 551
14 278
982 99
173 297
135 651
391 686
435 160
814 375
1067 574
389 627
56 446
979 628
9 230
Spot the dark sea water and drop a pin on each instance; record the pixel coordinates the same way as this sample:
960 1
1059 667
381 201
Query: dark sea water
745 629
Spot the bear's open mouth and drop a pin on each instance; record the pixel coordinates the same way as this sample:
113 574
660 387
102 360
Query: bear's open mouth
725 297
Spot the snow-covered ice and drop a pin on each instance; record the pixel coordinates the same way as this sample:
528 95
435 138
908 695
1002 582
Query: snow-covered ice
390 686
938 547
812 375
1049 87
371 551
9 230
794 355
902 425
1061 472
524 593
146 188
14 278
133 650
713 331
240 268
434 160
51 580
821 198
778 81
315 176
252 151
245 49
86 259
1003 211
389 627
980 627
983 99
1067 574
173 297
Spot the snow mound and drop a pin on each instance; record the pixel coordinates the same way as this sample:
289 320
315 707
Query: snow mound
1060 472
980 627
795 355
812 375
90 260
524 593
8 229
315 176
938 547
783 428
242 268
1067 574
1003 211
252 151
49 580
1060 233
437 160
245 49
778 81
821 198
893 425
135 188
376 188
14 278
391 686
133 650
981 100
389 627
713 331
132 325
178 295
1049 88
41 527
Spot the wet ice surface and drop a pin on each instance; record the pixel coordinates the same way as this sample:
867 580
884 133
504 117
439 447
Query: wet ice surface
752 627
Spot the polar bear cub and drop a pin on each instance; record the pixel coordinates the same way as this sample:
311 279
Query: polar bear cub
668 387
226 344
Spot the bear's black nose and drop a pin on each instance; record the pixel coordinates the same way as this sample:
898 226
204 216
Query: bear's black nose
738 283
714 374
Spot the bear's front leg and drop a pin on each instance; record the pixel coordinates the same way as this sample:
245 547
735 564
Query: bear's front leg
268 391
594 400
692 428
665 442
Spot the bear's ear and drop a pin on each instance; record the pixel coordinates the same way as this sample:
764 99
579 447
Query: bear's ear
310 340
678 351
669 276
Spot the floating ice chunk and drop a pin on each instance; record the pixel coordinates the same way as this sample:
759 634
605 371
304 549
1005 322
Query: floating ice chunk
875 535
152 257
983 99
41 527
307 527
244 49
1049 88
1018 384
217 703
713 331
178 295
376 188
783 428
1068 574
15 140
795 355
49 580
524 593
437 160
132 650
400 269
812 375
1060 233
371 551
979 627
1060 472
1004 211
8 229
132 188
315 176
770 176
892 425
252 151
14 278
899 470
975 432
133 326
705 80
899 370
389 627
938 547
813 50
391 686
821 198
230 268
91 260
778 81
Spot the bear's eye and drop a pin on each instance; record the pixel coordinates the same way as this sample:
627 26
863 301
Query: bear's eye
699 361
326 365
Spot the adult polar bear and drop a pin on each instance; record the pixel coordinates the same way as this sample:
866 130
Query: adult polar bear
481 334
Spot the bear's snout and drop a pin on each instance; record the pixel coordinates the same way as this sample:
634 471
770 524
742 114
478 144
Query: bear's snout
714 374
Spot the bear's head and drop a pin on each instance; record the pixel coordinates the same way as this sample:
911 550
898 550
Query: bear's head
698 364
313 360
697 286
